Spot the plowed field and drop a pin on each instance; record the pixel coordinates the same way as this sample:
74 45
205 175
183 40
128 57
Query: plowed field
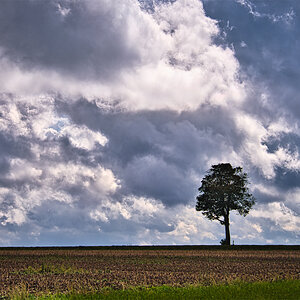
64 270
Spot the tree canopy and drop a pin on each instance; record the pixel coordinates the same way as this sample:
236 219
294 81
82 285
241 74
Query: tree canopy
223 189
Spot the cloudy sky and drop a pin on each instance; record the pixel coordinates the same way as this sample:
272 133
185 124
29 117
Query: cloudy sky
112 111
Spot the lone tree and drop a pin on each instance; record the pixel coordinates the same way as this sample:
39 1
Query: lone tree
223 189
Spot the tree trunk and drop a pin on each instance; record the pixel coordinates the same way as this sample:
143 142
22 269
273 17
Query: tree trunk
227 232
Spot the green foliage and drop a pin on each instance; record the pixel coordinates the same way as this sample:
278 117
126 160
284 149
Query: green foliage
287 289
223 189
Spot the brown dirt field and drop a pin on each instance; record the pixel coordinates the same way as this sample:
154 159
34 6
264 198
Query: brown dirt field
59 270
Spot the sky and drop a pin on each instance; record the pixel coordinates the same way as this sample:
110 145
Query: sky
111 113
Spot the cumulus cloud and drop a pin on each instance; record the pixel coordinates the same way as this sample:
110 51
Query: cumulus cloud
280 215
147 56
112 111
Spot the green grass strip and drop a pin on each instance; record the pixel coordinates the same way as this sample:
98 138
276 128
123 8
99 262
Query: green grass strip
285 289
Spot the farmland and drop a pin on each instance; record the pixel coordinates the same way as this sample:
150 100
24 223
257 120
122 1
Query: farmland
61 270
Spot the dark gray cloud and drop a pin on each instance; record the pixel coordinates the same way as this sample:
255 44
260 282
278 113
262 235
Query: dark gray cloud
154 153
16 147
82 39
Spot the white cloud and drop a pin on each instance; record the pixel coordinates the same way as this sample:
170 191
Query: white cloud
243 44
82 137
268 190
98 215
253 147
15 215
286 17
183 230
178 80
171 71
191 226
137 209
22 169
257 227
278 213
292 200
37 117
96 179
288 159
